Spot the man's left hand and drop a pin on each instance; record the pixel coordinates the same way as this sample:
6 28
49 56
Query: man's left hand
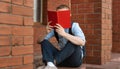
60 30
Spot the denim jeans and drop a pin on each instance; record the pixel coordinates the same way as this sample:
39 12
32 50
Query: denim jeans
69 56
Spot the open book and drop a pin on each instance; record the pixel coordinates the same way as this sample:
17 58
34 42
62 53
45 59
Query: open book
60 17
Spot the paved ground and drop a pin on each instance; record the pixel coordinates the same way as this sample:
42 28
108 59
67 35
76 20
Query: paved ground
113 64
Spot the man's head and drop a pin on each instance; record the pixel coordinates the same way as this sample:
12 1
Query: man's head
62 8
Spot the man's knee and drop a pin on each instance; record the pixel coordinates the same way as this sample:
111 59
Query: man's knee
78 64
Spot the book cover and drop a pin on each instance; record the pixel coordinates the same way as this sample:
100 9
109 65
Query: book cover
61 17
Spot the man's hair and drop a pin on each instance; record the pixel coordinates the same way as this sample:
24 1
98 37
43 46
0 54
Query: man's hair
62 6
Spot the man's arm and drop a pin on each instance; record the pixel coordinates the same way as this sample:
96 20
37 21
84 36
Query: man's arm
74 39
49 31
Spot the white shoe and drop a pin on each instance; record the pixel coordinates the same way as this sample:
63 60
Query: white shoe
41 67
50 67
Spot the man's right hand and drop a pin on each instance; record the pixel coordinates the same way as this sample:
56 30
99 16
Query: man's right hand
49 27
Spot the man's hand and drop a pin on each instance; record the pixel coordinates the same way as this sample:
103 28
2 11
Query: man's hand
49 27
60 30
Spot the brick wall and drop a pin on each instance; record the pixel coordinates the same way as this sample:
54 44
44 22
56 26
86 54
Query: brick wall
106 30
16 34
90 15
116 26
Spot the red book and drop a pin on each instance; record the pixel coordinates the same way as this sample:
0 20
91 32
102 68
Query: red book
60 17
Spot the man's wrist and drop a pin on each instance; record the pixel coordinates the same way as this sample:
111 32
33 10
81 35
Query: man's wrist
65 34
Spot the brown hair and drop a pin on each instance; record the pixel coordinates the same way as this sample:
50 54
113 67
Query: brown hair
62 6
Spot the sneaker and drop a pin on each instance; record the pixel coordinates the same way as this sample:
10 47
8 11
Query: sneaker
50 67
41 67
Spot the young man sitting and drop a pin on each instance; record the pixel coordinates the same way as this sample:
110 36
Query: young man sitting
71 44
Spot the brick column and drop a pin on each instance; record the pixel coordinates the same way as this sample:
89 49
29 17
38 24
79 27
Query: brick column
16 34
106 30
94 17
116 26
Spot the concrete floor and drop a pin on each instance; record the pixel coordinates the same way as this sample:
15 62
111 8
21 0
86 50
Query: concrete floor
113 64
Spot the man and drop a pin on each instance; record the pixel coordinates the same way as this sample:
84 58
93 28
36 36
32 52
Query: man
70 53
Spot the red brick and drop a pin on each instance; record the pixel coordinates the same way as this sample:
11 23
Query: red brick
80 16
89 31
28 3
5 7
37 49
116 47
106 27
95 58
21 10
5 51
97 53
93 36
19 2
5 40
28 21
98 4
29 66
52 6
17 40
97 48
10 61
88 5
6 0
28 40
73 9
22 50
95 42
37 34
97 32
93 21
93 0
11 19
103 15
85 10
105 5
82 26
89 52
80 21
4 29
80 5
28 59
90 16
77 1
97 10
28 31
106 42
115 38
90 26
7 68
106 49
116 26
22 30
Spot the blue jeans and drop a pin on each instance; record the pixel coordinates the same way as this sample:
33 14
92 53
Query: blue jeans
69 56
